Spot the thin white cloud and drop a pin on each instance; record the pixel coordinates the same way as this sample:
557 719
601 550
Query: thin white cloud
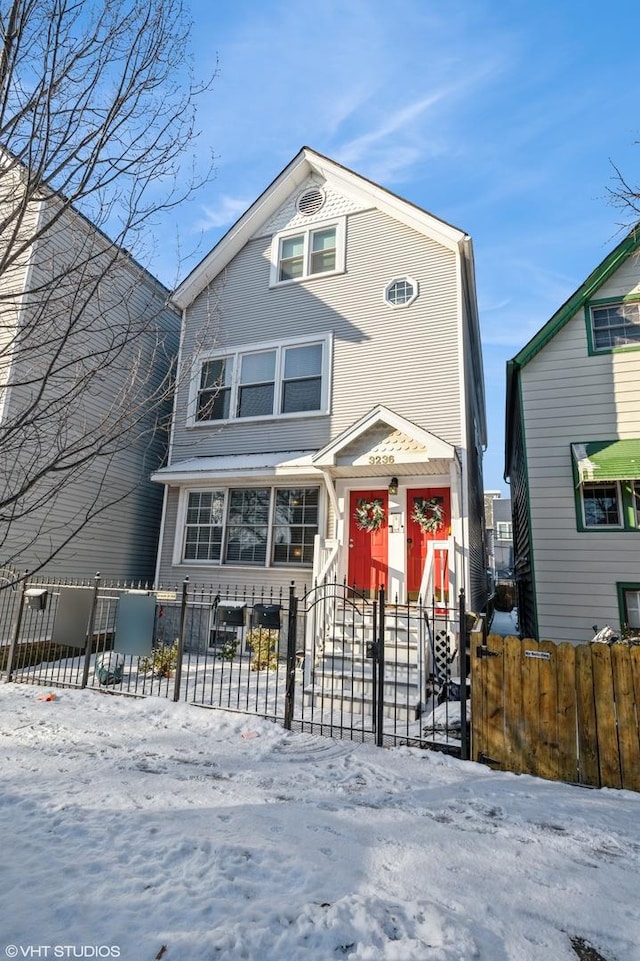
353 151
226 212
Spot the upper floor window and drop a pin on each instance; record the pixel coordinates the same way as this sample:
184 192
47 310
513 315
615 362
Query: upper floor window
308 252
281 380
504 530
401 292
607 484
615 325
601 504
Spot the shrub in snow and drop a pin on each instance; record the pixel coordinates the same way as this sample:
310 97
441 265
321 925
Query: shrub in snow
228 650
162 661
262 642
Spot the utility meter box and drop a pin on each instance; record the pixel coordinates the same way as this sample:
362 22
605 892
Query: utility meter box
37 598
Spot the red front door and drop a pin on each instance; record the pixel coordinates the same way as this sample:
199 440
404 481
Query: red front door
368 549
426 499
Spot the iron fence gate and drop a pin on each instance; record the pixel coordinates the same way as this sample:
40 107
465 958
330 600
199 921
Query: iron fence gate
331 661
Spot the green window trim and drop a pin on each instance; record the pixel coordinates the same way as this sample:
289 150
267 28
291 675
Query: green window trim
622 587
626 504
593 350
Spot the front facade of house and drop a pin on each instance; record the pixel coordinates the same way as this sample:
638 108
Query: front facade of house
333 395
573 458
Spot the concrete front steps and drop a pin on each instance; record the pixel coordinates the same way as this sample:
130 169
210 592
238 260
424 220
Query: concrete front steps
341 680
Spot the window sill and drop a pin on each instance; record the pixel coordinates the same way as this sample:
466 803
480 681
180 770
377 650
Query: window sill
256 420
218 565
276 285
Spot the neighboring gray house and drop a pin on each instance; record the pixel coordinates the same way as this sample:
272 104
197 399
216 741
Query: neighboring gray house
333 422
497 515
573 458
87 338
502 540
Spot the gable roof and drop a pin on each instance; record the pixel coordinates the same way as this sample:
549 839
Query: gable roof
438 449
569 309
303 165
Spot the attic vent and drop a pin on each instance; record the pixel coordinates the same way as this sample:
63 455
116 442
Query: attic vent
310 201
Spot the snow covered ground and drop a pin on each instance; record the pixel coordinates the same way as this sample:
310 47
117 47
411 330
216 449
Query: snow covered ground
144 829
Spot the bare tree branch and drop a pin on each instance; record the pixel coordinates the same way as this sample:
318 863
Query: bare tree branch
97 115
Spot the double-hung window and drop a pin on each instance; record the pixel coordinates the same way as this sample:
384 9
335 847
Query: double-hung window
614 324
629 604
254 526
256 388
214 392
282 380
308 252
601 504
203 526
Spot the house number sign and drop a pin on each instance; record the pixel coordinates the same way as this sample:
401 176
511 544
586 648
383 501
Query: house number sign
382 459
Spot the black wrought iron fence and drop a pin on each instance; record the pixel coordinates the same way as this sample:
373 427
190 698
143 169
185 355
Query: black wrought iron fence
330 661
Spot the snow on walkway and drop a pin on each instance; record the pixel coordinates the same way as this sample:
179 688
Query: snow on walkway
131 825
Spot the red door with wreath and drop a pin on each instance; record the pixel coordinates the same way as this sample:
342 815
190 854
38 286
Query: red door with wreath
428 519
368 540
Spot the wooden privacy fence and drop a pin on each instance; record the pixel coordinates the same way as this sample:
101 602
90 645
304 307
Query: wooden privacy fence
558 711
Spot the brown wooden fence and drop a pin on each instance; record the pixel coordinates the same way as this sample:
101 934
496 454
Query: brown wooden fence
557 711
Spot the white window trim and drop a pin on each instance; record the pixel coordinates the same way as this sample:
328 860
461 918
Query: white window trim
180 533
306 230
394 280
325 340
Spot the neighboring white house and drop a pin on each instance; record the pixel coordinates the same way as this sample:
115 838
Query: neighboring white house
335 390
87 338
573 458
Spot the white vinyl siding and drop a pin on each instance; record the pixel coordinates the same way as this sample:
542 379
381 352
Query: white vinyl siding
575 571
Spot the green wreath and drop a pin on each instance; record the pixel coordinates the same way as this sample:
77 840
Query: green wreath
369 515
429 514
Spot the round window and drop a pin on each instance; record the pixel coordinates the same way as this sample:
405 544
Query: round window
401 292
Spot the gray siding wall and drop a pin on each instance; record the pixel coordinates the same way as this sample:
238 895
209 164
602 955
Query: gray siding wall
107 300
225 578
406 359
472 401
13 272
598 398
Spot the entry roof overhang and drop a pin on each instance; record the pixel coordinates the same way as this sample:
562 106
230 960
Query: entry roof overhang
224 466
607 460
348 452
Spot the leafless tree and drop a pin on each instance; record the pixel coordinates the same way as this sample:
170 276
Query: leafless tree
625 196
97 115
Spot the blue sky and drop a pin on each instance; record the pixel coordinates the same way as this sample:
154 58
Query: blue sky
502 117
